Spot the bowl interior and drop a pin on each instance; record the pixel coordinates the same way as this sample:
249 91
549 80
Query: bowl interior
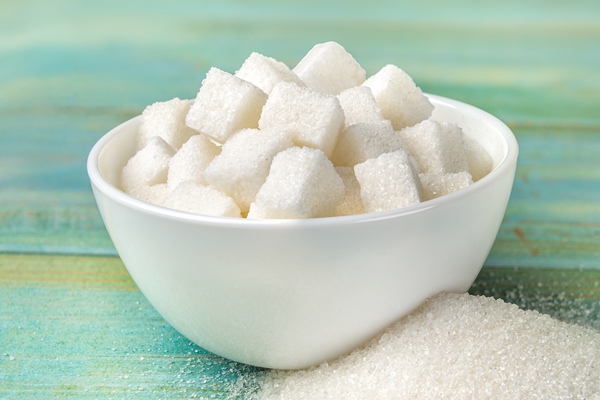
476 124
117 150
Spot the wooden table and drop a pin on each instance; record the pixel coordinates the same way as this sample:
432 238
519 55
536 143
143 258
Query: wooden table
73 323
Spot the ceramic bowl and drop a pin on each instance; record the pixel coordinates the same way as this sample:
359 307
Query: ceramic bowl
294 293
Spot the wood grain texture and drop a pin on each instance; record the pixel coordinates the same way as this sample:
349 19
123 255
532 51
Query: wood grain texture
71 72
73 324
77 326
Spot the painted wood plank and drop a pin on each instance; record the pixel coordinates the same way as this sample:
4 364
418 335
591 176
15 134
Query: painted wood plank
78 326
570 295
69 71
62 87
553 219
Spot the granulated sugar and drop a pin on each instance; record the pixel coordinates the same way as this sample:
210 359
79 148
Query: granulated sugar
458 346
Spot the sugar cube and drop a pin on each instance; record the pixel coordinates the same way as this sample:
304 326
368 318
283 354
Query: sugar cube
148 166
316 118
352 202
437 184
437 146
302 183
388 181
266 72
189 163
319 140
359 105
243 165
225 104
359 142
167 120
329 68
194 198
154 194
401 101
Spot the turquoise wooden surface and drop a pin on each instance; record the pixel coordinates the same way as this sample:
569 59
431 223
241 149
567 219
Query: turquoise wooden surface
73 323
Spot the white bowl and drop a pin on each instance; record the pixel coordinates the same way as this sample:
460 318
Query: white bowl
294 293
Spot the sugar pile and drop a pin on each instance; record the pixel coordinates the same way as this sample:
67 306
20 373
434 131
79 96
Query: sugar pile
457 346
216 155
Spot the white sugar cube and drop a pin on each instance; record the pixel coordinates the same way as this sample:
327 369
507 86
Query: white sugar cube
479 161
302 183
401 101
352 202
148 166
359 142
437 146
266 72
388 182
437 184
316 118
243 165
167 120
315 141
154 194
189 163
329 68
198 199
359 105
225 104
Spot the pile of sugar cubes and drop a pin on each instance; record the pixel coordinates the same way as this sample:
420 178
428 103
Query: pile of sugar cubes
318 140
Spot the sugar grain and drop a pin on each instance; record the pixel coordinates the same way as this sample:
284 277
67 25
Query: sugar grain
458 346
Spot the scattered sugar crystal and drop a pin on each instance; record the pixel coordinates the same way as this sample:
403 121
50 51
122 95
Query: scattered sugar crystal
359 105
225 104
266 72
352 202
329 68
189 163
243 165
401 101
388 181
479 161
198 199
316 118
148 166
437 184
154 194
359 142
437 146
167 120
302 183
457 346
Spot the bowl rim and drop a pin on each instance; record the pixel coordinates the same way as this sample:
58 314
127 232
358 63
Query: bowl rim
504 167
